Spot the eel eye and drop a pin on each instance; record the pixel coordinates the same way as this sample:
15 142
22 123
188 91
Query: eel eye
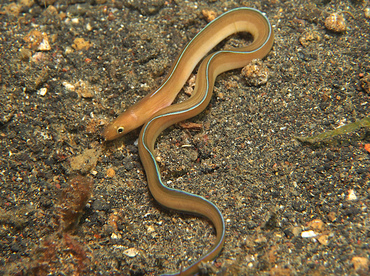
120 130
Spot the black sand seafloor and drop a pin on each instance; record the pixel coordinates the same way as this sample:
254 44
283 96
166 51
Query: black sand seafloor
294 203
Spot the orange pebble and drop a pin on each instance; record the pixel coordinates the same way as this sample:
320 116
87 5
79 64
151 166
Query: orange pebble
111 172
367 147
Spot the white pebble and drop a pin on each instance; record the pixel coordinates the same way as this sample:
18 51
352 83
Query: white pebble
75 21
131 252
308 234
351 195
89 27
69 86
42 91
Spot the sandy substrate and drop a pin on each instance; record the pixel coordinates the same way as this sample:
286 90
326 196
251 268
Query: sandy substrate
71 204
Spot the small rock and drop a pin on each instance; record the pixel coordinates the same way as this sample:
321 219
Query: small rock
75 21
332 216
115 237
255 73
367 12
86 161
51 11
68 50
89 27
150 229
323 239
316 224
297 231
44 45
69 86
39 57
37 40
42 91
209 15
310 36
81 44
351 195
336 23
84 89
111 173
360 263
131 252
308 234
